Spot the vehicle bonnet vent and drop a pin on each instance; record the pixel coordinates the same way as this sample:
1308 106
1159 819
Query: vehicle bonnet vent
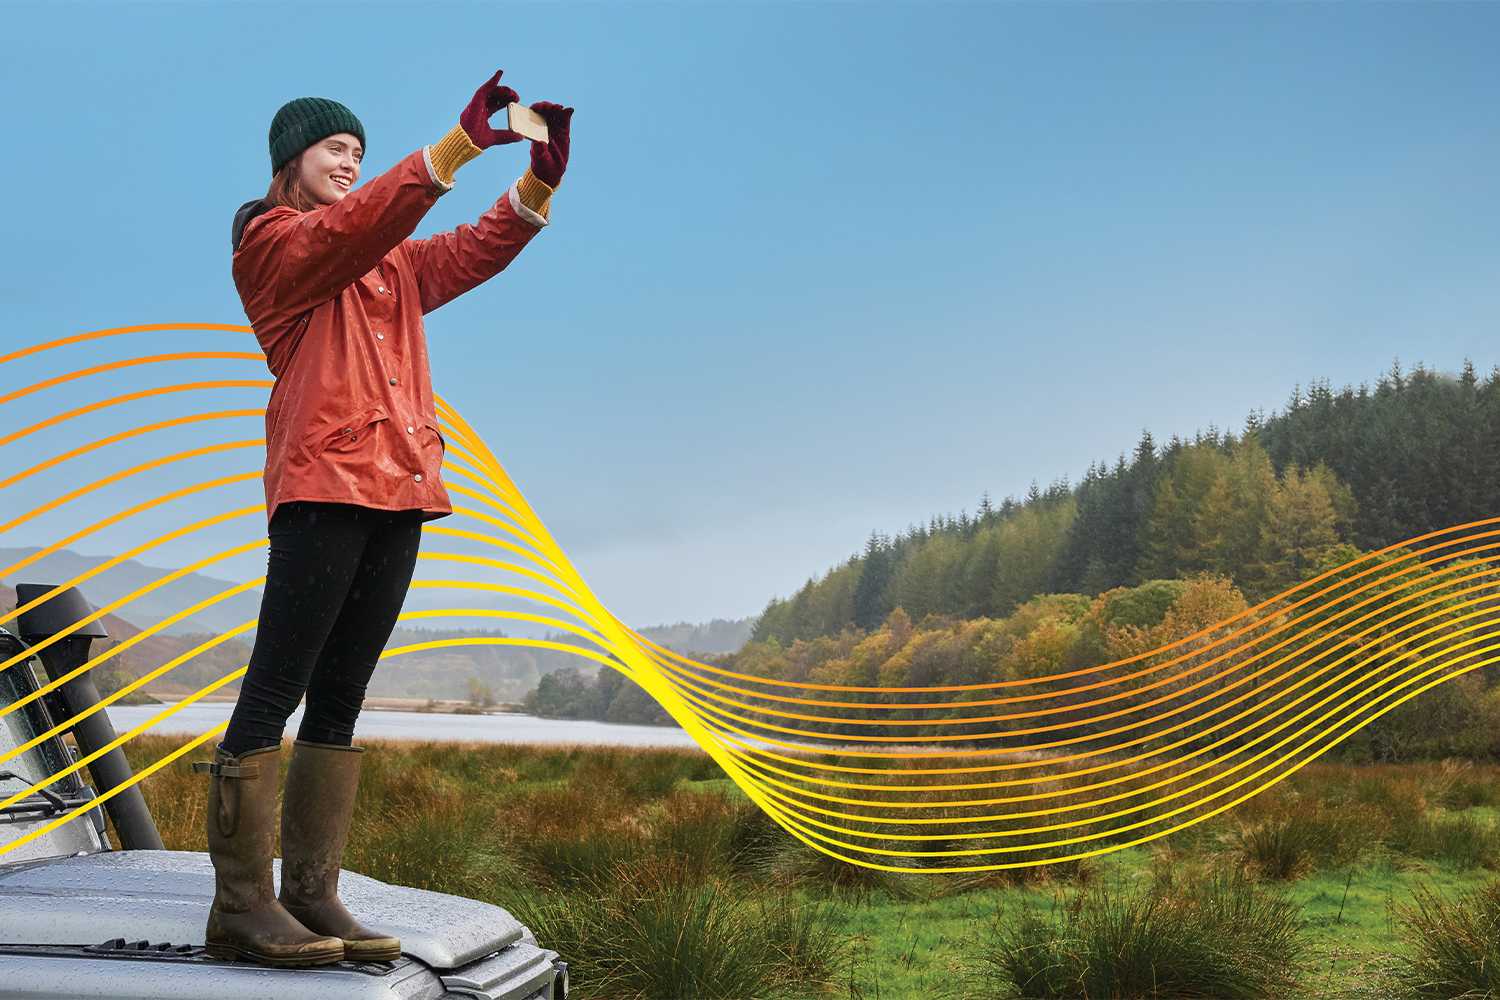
119 946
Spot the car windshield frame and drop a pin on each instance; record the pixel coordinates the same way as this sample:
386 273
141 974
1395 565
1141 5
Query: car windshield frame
22 725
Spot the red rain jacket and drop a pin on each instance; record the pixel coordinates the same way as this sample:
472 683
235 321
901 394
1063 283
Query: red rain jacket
336 298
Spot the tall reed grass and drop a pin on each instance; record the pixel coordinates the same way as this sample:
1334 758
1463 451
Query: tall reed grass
1198 935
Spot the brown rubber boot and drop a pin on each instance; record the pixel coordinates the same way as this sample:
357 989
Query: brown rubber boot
246 920
320 784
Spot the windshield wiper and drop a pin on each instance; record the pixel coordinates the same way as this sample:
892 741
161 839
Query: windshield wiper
51 805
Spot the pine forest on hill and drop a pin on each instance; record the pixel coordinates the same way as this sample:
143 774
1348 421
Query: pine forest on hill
1170 540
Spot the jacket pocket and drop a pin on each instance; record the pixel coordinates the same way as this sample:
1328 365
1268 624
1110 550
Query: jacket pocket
442 441
344 435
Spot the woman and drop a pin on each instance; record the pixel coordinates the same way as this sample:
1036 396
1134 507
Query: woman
335 290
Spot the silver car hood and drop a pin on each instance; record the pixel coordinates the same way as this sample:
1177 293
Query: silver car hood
164 896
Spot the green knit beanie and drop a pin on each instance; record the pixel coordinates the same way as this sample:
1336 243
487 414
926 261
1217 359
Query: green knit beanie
304 121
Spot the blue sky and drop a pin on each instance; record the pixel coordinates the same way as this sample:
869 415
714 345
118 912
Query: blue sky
814 269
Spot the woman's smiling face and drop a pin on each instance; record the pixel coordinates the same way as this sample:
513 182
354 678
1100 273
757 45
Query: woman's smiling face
330 167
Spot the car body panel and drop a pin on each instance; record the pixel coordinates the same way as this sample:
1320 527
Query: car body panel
165 895
80 920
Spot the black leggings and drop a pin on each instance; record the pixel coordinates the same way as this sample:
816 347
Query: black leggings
336 575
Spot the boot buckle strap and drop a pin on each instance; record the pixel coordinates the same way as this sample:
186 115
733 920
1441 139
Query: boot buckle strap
226 770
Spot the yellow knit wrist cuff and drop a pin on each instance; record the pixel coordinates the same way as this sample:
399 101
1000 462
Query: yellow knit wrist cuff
535 193
453 151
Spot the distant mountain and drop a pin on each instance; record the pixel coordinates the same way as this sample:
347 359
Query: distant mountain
509 671
716 637
152 652
582 689
117 581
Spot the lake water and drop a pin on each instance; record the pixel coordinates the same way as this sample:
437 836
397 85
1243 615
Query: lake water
504 727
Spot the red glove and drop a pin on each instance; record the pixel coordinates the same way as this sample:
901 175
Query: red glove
549 159
488 99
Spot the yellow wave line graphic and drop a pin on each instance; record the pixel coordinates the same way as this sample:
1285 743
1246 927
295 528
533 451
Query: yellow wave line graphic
1074 764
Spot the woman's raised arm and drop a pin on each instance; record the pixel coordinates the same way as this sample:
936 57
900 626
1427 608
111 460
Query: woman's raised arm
448 264
289 261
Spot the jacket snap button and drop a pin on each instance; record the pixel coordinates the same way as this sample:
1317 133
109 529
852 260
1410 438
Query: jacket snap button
382 288
346 430
418 477
393 380
380 336
410 429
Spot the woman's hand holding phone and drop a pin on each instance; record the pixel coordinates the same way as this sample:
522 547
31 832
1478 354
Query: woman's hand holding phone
474 134
549 159
489 98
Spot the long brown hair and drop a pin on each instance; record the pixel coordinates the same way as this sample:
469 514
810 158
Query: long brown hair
286 187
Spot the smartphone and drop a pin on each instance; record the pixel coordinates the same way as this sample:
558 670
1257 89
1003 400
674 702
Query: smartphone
526 121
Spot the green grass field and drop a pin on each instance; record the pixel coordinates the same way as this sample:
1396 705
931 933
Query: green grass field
655 876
